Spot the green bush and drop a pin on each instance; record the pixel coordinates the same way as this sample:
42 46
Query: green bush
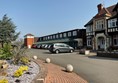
6 52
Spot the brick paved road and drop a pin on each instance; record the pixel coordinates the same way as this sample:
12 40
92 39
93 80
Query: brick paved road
57 74
93 69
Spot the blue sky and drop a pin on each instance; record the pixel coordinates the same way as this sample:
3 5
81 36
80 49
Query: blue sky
43 17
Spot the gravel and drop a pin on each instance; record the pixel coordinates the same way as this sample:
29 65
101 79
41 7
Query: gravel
27 77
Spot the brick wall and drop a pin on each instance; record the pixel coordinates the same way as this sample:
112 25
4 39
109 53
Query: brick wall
28 41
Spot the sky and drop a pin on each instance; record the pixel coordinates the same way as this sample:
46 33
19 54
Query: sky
44 17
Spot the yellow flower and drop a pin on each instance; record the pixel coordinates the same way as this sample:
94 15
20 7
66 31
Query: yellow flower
4 81
20 71
24 68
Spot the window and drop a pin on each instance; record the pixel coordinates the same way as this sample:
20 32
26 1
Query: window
43 38
39 39
60 35
74 33
53 36
99 24
112 23
57 36
48 37
115 40
89 28
66 45
69 34
59 45
64 34
89 42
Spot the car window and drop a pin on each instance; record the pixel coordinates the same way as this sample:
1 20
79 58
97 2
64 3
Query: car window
67 46
57 45
60 45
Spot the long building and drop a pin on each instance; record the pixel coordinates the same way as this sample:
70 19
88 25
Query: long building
75 38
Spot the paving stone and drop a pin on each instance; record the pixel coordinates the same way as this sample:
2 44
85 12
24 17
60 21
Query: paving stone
57 74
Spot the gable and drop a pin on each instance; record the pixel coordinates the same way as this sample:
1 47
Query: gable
105 12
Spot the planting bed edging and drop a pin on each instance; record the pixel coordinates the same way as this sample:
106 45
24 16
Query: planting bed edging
40 78
107 54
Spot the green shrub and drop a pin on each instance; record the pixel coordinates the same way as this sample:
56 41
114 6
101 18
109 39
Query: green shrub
6 52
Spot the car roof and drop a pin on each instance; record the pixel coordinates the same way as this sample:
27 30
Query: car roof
59 43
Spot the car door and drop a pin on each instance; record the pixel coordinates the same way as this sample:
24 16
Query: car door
67 49
61 48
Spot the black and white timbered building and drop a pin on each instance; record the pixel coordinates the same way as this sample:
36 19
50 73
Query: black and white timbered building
102 29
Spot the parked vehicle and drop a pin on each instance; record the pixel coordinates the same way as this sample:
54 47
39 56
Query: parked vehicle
42 46
48 46
60 47
45 47
34 45
38 46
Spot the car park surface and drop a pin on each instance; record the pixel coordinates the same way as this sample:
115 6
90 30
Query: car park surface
91 68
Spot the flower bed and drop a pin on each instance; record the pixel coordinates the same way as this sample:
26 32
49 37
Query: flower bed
21 74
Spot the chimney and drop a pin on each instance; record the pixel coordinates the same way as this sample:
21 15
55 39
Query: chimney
100 7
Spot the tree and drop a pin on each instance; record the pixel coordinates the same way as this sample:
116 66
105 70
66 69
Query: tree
7 31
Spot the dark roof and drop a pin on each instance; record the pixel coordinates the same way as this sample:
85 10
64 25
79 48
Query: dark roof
63 32
115 8
90 22
104 12
29 34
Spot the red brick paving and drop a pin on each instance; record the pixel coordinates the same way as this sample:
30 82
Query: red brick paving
56 74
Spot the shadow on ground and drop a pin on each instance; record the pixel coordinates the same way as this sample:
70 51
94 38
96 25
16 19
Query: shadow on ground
47 53
64 70
104 58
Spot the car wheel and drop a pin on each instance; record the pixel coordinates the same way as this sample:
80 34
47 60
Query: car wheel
71 51
57 51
